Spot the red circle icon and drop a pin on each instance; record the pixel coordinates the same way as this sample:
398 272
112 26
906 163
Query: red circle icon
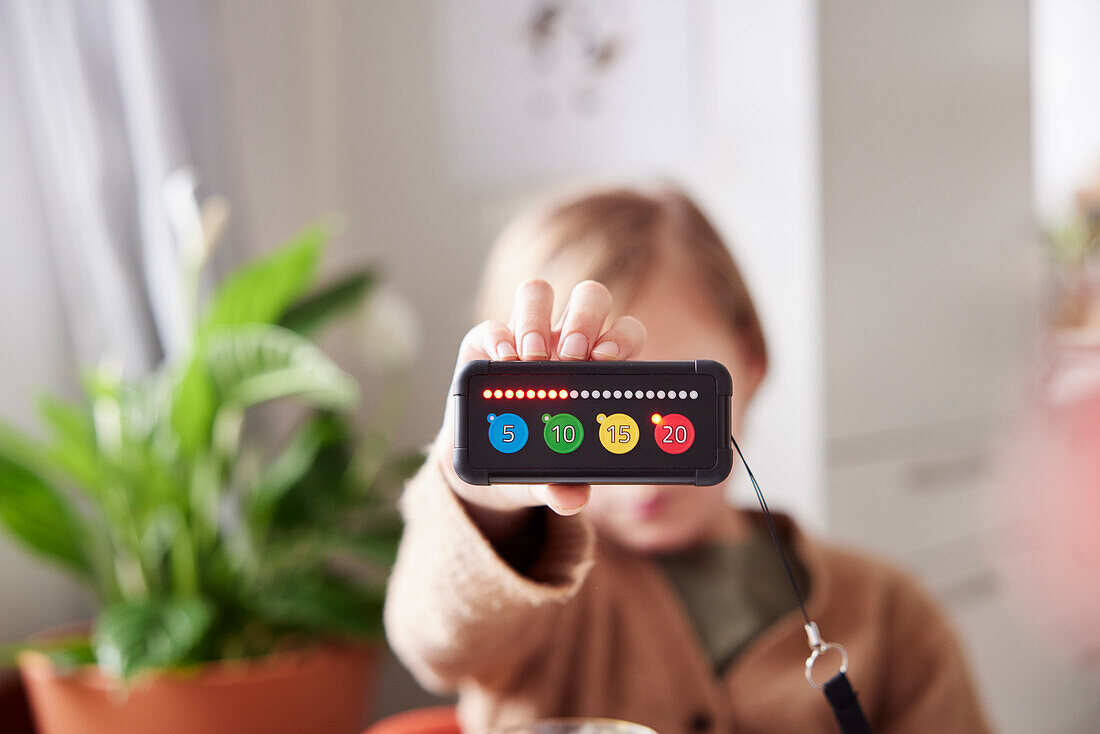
674 433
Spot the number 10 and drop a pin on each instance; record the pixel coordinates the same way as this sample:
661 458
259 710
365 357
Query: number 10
569 433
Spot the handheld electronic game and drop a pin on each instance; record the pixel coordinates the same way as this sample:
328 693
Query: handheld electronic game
593 422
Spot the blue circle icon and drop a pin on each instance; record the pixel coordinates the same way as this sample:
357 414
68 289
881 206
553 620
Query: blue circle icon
507 432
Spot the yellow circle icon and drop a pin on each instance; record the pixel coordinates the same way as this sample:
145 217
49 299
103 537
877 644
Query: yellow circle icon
618 432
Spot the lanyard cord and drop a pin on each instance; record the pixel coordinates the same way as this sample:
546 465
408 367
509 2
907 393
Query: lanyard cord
838 690
774 532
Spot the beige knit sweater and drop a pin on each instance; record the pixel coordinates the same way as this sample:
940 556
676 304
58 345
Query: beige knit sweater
594 630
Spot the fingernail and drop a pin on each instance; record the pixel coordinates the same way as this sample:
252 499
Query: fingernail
505 350
574 346
534 346
606 349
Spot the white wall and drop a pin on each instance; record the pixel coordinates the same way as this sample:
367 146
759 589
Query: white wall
1065 89
762 184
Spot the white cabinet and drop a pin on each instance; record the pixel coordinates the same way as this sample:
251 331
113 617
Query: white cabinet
926 210
899 506
919 260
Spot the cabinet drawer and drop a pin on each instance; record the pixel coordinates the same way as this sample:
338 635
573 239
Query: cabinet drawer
901 506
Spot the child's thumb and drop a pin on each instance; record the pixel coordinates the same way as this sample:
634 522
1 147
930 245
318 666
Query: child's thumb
564 499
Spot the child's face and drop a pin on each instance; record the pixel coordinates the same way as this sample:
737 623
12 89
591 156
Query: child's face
681 325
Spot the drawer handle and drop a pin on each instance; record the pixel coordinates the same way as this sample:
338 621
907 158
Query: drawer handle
933 475
976 587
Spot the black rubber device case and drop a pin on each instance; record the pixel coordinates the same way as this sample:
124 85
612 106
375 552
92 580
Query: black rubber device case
665 401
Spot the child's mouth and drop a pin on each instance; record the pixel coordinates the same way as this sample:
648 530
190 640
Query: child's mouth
651 508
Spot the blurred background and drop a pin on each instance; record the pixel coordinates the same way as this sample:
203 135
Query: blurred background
907 187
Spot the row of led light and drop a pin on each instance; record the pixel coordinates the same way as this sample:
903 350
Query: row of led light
584 394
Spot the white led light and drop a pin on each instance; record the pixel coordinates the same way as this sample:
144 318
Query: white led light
694 394
649 394
573 394
607 393
660 393
584 393
617 393
683 394
628 394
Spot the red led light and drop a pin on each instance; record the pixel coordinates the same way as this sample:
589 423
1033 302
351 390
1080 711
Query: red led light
498 394
541 394
530 393
519 394
507 393
656 418
487 394
552 394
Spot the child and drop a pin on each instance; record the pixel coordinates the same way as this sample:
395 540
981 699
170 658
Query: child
657 604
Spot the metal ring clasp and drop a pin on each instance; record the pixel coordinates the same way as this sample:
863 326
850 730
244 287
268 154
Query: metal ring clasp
818 651
820 647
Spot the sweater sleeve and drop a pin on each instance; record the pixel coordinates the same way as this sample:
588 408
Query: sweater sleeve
455 610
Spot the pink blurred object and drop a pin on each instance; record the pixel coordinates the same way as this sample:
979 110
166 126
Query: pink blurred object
1054 470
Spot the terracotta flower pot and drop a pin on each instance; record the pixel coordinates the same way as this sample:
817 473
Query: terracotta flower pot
321 690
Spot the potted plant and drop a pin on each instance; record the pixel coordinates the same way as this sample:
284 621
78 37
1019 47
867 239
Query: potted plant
239 589
1073 246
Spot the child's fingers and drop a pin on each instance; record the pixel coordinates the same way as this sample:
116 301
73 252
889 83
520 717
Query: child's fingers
588 308
531 318
624 339
487 340
564 499
498 340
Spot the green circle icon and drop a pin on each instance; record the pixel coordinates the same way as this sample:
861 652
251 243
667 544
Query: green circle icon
563 432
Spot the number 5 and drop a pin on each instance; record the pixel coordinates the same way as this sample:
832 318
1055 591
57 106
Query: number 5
509 435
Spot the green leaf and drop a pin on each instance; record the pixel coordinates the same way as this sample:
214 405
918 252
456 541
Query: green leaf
321 604
255 363
70 421
69 657
291 465
73 448
142 402
377 546
310 313
371 552
152 633
321 494
260 291
40 517
194 404
65 652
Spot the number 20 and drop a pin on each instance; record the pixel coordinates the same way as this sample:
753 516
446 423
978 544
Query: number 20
679 435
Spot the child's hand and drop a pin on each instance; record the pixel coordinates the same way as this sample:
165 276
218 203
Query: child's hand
529 336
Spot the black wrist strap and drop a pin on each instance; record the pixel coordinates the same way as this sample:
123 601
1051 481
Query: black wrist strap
838 690
846 706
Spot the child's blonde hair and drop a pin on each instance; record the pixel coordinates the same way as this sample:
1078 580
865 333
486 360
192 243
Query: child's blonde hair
620 237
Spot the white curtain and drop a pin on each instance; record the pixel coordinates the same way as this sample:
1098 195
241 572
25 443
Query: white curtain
104 137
